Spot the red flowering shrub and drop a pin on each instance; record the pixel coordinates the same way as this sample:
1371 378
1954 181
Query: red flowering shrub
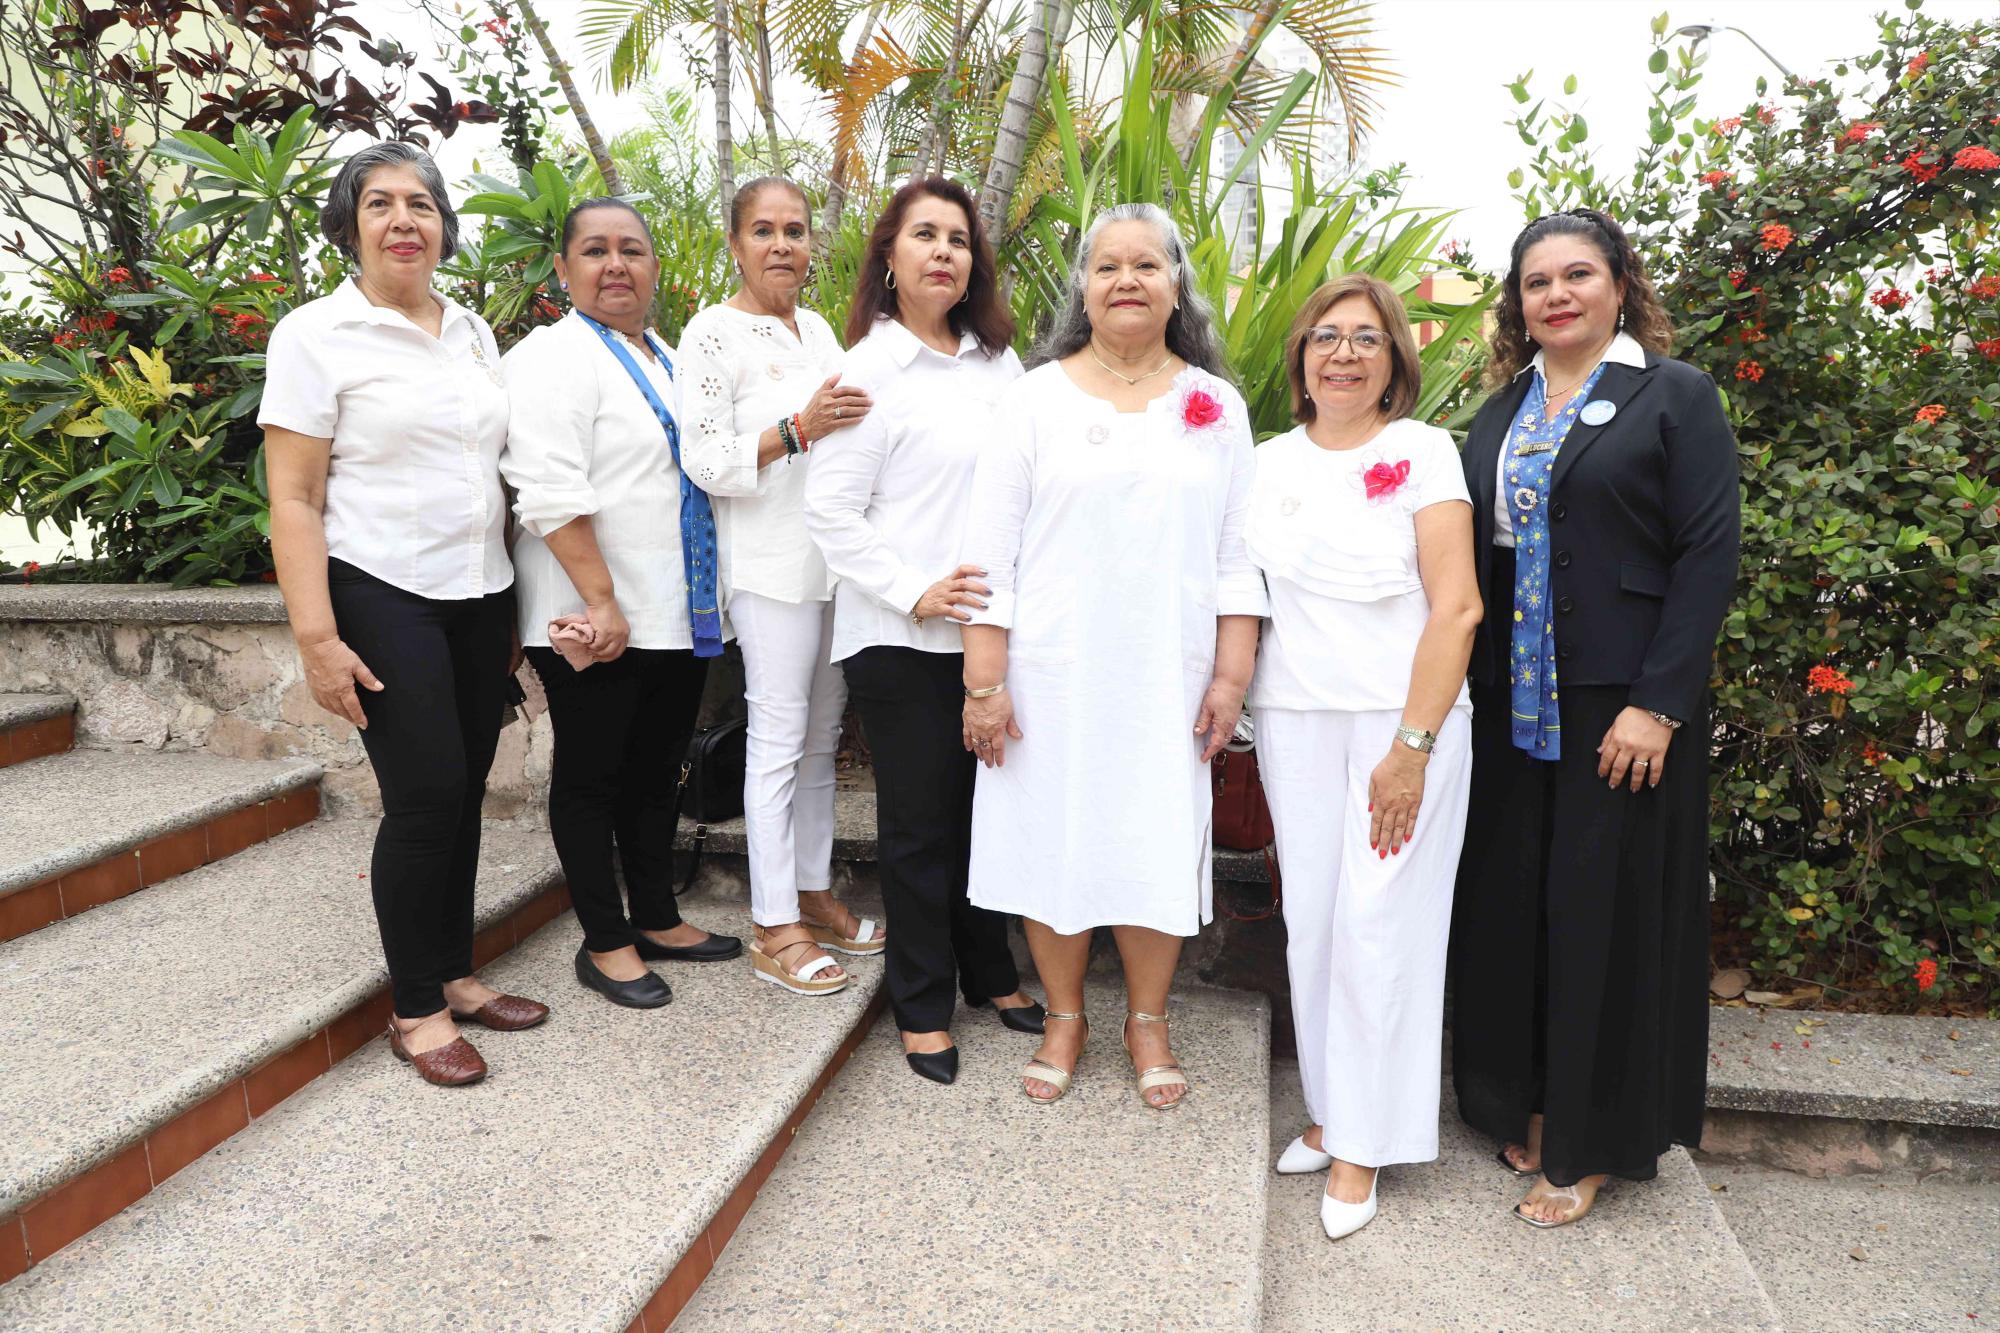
1975 157
1747 369
1923 170
1930 414
1985 288
1860 130
1714 179
1890 299
1926 973
1776 235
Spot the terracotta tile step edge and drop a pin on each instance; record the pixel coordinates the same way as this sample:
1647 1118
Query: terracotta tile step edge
149 863
99 1194
36 740
673 1294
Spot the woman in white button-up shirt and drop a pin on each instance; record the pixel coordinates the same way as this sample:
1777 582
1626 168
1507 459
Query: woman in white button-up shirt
383 417
886 503
597 492
762 384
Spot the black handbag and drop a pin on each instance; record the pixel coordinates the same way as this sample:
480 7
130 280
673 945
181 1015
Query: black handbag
710 789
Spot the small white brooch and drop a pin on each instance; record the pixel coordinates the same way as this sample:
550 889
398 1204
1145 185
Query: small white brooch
1288 506
1098 433
775 371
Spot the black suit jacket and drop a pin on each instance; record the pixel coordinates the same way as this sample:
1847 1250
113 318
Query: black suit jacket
1644 526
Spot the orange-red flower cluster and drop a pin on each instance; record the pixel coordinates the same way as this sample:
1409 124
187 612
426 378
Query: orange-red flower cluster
1931 413
1976 158
1860 130
119 276
1936 275
1926 973
1989 348
1917 65
1736 276
1891 299
1923 172
1746 369
1925 349
1766 113
1776 235
1984 288
1872 756
1714 179
1728 126
1824 679
248 326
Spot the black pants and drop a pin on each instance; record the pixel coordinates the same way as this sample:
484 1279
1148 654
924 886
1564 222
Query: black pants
622 730
431 734
910 703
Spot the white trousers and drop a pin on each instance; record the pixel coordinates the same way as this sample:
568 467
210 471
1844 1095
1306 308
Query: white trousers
1366 935
795 697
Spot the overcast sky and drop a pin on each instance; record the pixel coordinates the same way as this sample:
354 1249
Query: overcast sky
1448 116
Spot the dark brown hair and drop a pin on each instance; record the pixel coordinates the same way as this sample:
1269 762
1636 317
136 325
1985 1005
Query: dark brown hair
746 195
1406 368
1645 318
981 313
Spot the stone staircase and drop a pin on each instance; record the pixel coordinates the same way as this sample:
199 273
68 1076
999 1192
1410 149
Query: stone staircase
198 1128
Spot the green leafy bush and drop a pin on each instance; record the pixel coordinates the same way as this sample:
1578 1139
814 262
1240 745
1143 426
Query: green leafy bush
1828 256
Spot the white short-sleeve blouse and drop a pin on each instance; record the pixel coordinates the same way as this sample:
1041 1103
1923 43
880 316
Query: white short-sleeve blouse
417 423
1347 595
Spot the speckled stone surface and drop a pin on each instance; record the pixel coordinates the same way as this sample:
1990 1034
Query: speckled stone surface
854 839
143 603
69 810
970 1208
556 1195
18 710
1928 1250
118 1019
1445 1252
1858 1066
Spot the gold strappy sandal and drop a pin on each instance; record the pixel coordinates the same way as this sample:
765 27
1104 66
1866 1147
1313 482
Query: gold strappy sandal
1158 1076
1043 1072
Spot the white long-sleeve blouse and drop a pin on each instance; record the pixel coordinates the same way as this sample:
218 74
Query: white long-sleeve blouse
742 373
886 500
584 441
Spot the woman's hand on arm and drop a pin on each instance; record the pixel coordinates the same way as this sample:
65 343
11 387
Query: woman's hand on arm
295 468
961 588
575 548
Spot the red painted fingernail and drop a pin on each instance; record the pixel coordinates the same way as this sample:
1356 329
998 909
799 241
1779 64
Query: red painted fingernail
1398 851
1384 854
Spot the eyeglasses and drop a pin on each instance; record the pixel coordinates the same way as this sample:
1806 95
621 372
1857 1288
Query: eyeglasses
1365 342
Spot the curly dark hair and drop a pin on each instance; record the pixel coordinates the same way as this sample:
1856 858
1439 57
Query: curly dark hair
1645 318
983 312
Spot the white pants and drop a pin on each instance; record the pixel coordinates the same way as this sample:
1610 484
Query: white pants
795 697
1366 936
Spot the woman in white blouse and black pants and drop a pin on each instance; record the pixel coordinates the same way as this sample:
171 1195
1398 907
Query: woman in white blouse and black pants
383 418
886 502
608 534
762 376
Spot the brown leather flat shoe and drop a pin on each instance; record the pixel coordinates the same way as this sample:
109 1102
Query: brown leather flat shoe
505 1013
450 1066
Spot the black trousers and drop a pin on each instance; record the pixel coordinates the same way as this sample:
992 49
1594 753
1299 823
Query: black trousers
431 733
910 703
1579 941
621 731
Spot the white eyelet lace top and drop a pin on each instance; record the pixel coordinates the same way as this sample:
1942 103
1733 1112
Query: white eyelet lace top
740 373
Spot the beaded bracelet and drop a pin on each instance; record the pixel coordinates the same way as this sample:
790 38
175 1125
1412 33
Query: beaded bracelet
785 436
799 430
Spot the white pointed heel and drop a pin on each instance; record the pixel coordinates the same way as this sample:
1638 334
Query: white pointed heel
1344 1219
1301 1159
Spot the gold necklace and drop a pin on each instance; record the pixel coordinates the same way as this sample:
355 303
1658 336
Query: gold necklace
1129 379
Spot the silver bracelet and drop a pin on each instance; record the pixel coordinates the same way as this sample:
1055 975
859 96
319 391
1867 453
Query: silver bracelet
1670 723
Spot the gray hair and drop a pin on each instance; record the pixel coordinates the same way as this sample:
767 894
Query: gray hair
1191 332
343 200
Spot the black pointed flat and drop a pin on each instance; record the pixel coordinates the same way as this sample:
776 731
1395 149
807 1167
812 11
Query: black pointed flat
714 949
937 1066
1026 1018
647 992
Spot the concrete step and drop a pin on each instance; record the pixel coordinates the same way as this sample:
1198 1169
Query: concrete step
1892 1067
908 1205
35 725
1445 1252
1886 1252
139 1035
560 1194
90 826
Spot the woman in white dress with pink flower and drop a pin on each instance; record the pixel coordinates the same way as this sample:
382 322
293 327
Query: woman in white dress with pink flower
1111 662
1361 522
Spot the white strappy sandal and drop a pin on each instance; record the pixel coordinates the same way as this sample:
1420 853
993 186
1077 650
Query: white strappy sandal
1159 1076
1042 1071
805 981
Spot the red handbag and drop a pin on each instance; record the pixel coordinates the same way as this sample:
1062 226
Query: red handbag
1241 820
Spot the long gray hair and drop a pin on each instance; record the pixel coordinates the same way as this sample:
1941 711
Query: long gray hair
1190 329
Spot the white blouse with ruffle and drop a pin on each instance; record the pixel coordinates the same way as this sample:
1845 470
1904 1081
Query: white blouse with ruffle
1347 595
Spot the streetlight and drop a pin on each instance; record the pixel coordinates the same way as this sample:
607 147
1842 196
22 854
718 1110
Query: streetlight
1701 32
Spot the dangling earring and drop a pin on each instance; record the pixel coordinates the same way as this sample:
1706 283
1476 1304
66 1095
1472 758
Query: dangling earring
890 280
1385 400
1621 319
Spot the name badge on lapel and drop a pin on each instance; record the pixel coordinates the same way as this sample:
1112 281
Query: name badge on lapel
1598 411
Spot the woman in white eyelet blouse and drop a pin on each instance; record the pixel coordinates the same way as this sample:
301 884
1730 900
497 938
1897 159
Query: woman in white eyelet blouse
753 362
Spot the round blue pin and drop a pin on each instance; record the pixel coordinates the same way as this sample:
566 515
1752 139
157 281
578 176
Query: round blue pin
1598 411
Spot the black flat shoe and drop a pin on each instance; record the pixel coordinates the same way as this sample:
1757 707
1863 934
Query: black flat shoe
647 992
937 1066
714 949
1021 1018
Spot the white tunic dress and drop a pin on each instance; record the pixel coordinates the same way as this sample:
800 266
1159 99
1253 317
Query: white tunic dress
1111 541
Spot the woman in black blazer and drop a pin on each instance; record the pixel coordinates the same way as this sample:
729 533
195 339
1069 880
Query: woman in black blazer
1604 483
